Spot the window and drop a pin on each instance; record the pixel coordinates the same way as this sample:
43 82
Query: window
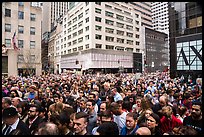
74 27
87 19
75 19
108 6
109 47
129 49
87 28
129 20
80 48
69 37
109 30
20 4
98 3
129 27
130 42
20 43
8 42
129 34
137 43
137 36
32 44
98 36
80 16
7 27
98 10
87 37
32 30
32 58
109 14
119 17
69 30
20 15
87 46
20 29
80 31
69 51
119 10
20 58
98 46
109 22
74 42
120 25
98 27
87 11
74 49
87 3
80 40
69 23
32 17
119 40
80 24
8 12
119 32
98 19
110 39
74 34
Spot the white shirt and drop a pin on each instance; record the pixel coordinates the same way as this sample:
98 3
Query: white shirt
120 120
13 126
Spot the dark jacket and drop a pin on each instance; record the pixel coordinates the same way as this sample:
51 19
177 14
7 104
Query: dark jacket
21 129
34 125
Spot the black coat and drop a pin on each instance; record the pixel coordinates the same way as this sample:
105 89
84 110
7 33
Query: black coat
34 125
21 129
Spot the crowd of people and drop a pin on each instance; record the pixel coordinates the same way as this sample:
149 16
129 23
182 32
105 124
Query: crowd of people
101 104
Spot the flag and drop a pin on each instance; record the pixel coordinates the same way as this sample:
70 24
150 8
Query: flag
14 41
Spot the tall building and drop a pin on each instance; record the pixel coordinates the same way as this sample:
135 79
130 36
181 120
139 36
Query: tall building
146 14
53 12
185 26
23 20
160 16
156 46
160 20
102 36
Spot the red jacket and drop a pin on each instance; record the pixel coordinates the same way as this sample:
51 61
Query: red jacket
168 125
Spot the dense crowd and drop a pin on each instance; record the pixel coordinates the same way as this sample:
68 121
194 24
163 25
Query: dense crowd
101 104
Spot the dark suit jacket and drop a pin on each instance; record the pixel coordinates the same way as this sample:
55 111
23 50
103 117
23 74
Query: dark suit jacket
35 124
21 129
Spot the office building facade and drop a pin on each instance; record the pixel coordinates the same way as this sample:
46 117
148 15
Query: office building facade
185 27
21 23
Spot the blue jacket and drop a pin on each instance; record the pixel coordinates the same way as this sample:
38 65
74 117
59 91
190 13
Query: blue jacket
124 130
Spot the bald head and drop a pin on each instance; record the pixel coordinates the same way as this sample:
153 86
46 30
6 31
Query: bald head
143 131
163 101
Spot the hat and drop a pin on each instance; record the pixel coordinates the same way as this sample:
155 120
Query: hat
33 86
156 117
9 112
14 88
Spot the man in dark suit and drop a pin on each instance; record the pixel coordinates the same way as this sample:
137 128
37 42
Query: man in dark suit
33 119
12 124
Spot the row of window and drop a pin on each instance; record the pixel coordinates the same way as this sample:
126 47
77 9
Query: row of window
98 37
111 14
21 58
20 43
98 46
20 14
20 29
